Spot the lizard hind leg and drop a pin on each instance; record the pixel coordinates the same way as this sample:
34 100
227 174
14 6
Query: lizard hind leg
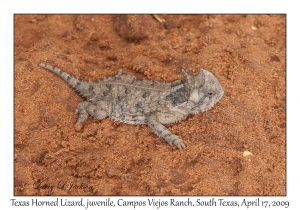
86 108
97 112
81 110
163 132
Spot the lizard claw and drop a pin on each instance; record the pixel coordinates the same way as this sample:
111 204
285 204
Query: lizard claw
179 144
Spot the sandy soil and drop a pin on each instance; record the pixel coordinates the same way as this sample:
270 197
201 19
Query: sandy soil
236 148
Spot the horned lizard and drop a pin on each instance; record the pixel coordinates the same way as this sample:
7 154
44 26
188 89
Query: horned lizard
125 99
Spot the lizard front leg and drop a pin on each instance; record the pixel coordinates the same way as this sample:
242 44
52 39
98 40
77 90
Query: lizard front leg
163 132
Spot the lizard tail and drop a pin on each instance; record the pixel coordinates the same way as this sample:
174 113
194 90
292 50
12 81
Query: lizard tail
79 85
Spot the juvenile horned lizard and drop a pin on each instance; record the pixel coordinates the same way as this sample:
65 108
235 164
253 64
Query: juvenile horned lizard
125 99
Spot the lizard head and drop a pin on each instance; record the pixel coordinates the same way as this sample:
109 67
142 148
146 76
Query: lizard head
204 91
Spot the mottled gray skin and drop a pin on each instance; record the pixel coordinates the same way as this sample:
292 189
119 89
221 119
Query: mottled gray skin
127 100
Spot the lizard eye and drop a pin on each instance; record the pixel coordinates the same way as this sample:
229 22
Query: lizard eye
210 94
